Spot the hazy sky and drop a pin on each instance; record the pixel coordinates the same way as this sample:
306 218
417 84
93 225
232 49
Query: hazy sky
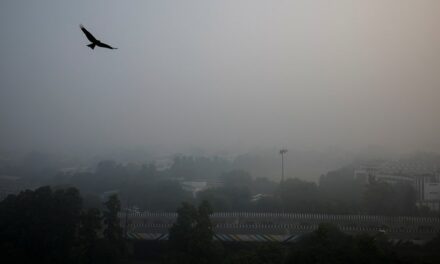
220 74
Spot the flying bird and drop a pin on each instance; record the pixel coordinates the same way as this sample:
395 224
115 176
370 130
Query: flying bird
95 42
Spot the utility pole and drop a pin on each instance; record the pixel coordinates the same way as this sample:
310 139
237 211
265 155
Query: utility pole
282 152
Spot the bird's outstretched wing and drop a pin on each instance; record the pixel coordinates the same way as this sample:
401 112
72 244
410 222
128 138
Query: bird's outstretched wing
103 45
88 34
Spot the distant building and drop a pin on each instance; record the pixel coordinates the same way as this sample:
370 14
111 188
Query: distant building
74 170
428 190
163 163
258 197
194 186
424 178
199 185
366 174
105 195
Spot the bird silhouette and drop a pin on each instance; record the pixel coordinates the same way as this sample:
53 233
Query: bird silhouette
95 42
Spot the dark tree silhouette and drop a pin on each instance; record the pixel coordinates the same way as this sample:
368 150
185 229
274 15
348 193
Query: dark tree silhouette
113 244
39 226
191 237
88 235
113 230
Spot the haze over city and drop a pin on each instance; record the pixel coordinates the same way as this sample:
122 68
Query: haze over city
221 131
220 75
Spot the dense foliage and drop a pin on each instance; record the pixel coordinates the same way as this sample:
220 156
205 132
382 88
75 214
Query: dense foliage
230 188
51 226
191 237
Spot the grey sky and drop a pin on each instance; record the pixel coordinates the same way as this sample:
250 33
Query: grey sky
220 74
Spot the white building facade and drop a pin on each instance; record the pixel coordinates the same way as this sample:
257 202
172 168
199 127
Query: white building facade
424 179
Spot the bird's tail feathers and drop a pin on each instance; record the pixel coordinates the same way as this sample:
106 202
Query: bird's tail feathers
92 45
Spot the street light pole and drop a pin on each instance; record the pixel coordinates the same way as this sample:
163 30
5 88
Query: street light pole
282 152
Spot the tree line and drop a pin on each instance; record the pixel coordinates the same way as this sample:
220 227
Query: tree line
151 189
52 226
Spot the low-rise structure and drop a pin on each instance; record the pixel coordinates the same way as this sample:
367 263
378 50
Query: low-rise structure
197 186
425 179
194 186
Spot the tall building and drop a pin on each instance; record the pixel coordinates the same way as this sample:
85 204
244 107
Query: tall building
428 190
424 178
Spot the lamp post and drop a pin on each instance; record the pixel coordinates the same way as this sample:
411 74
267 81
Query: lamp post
282 152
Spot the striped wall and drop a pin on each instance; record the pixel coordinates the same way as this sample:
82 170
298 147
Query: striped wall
221 237
279 227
